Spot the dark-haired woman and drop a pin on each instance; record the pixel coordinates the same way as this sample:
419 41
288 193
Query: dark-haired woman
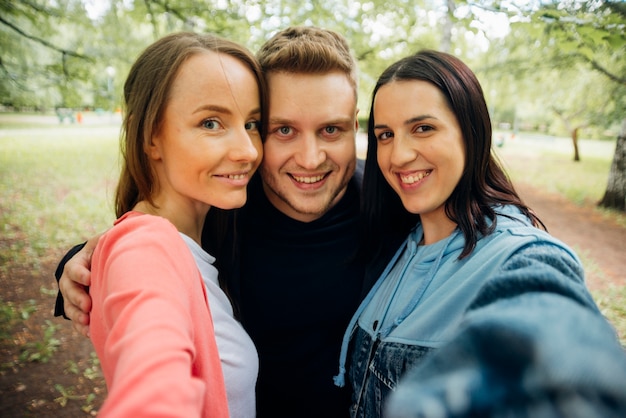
491 310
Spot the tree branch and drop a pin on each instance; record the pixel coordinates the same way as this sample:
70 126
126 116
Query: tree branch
42 41
12 78
170 9
596 66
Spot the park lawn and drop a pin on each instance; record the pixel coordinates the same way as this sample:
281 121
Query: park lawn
548 163
56 187
57 183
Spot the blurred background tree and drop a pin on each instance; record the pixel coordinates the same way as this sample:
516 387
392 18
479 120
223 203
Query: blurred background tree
558 67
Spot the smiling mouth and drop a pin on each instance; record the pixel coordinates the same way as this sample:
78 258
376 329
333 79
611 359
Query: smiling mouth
308 179
237 176
414 178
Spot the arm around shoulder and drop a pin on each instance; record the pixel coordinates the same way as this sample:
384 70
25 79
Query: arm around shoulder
58 308
74 277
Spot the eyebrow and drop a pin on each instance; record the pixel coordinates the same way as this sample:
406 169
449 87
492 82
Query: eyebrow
409 121
283 121
214 108
279 121
221 109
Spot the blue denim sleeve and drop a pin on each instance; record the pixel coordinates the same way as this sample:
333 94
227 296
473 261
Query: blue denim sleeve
532 344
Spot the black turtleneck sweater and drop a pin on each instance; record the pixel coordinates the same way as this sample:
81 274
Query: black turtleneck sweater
297 290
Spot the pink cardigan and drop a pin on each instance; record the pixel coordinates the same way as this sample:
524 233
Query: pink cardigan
151 326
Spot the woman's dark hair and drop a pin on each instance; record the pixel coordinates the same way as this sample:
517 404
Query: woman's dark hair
483 183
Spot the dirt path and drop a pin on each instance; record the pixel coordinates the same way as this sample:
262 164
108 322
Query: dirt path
600 242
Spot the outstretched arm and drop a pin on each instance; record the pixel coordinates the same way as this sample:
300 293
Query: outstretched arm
151 326
532 343
74 276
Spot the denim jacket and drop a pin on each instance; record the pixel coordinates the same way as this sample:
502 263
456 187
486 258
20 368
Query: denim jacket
419 313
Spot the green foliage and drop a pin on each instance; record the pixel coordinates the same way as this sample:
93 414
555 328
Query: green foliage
39 52
584 26
91 372
55 55
41 351
10 315
59 55
593 33
67 394
562 64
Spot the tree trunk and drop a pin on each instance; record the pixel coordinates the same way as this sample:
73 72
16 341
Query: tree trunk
615 194
575 143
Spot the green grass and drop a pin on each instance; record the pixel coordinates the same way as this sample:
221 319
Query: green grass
548 163
56 188
56 184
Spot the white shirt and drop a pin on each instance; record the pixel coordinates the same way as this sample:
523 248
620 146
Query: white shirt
240 361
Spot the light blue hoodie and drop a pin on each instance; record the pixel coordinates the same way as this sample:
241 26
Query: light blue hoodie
422 299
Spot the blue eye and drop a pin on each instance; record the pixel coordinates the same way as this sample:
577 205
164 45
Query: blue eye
252 125
211 124
284 130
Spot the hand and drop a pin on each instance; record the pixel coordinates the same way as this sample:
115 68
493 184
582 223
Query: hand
73 285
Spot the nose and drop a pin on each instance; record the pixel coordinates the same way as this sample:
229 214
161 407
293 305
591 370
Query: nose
310 154
245 146
403 151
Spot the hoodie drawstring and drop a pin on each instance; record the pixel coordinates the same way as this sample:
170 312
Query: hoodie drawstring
340 378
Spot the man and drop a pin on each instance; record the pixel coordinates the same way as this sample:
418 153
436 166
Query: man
294 276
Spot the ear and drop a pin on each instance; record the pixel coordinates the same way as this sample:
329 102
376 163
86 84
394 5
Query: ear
153 149
356 120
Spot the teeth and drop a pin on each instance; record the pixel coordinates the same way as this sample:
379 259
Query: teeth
236 176
308 180
414 178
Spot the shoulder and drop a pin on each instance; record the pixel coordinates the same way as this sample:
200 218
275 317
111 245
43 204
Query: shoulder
510 219
524 245
534 267
151 251
140 226
525 250
545 258
142 239
517 226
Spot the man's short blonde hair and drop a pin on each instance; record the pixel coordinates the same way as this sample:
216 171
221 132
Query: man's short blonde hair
308 50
